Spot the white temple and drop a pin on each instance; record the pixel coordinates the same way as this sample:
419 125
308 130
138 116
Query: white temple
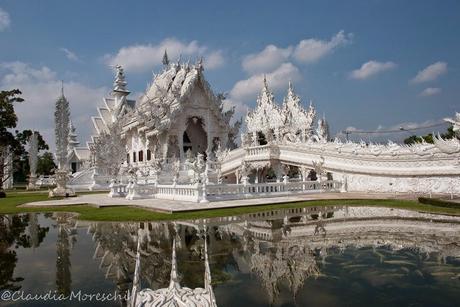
177 142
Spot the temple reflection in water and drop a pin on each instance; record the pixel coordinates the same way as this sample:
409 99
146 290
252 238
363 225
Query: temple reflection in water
282 249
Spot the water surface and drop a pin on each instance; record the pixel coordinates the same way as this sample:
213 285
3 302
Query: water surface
334 256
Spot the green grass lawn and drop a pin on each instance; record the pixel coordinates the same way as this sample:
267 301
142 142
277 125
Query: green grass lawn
9 205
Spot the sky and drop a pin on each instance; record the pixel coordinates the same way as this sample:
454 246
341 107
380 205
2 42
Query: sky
366 65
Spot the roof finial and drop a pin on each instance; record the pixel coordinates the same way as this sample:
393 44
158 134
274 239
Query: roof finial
62 88
265 82
165 58
120 82
200 64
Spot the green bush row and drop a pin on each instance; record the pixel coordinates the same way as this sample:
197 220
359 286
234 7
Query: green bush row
438 202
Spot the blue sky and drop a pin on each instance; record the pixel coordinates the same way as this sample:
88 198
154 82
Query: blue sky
365 64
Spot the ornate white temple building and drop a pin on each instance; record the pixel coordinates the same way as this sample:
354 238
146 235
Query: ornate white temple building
177 142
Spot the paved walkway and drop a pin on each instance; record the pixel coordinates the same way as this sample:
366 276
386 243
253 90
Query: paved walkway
171 206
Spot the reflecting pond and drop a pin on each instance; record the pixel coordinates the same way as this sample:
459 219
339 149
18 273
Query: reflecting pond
315 256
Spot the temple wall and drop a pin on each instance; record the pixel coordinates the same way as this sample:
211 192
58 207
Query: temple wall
419 184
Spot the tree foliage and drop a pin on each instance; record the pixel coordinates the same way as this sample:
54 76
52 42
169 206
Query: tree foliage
46 165
449 134
8 120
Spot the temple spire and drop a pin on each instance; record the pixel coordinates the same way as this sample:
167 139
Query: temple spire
165 59
119 91
290 87
119 85
62 88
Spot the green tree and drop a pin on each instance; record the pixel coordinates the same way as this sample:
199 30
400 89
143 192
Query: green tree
8 120
449 134
46 165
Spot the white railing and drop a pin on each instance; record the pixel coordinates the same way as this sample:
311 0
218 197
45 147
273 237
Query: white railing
118 190
239 191
215 192
179 192
258 150
45 181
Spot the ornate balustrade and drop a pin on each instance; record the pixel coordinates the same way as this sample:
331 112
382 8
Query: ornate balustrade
262 152
240 191
215 192
179 192
118 189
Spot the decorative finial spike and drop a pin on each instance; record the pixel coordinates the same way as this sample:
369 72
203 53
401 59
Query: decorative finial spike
165 58
199 64
62 88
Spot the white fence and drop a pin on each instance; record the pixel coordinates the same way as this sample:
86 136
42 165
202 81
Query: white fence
215 192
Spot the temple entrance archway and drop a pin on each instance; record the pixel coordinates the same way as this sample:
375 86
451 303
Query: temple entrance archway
195 136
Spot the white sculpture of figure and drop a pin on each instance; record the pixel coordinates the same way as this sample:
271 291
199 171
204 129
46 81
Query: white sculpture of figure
33 159
244 172
318 166
61 132
245 140
322 131
220 157
155 169
455 123
450 146
175 169
197 167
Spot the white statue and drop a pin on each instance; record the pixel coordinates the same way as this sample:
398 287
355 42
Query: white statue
33 159
61 132
322 132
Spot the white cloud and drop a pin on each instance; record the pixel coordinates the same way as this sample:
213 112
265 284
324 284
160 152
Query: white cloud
306 51
4 20
247 89
430 91
214 60
370 69
279 78
70 55
40 88
430 73
137 58
311 50
266 60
